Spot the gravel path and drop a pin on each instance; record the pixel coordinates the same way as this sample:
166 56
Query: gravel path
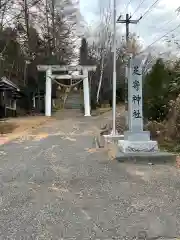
59 188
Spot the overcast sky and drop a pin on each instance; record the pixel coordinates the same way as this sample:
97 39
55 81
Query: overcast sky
160 19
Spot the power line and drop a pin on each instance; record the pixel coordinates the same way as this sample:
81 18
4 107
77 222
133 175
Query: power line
148 10
172 30
164 23
142 1
162 26
127 5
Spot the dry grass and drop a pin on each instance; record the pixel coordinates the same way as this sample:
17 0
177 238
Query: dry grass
6 127
178 161
167 133
13 128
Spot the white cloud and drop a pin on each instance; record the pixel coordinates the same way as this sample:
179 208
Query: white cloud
160 19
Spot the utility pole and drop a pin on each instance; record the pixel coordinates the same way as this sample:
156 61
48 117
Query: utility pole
114 70
127 21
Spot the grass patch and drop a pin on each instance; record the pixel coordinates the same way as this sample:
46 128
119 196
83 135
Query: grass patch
170 146
104 110
100 111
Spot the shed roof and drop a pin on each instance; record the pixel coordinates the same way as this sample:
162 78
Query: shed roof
6 84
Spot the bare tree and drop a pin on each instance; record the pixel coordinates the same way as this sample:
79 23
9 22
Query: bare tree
100 51
6 9
102 42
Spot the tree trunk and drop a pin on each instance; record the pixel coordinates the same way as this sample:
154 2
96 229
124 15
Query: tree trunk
100 80
48 32
53 27
39 100
26 16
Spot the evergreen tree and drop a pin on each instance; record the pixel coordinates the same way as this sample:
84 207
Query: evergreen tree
156 92
83 52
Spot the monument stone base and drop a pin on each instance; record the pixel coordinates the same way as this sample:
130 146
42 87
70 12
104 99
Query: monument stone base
127 146
137 142
137 147
147 157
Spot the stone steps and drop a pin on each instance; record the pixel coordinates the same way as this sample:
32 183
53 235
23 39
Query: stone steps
74 101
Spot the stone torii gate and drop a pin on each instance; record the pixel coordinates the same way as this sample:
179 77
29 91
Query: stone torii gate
49 69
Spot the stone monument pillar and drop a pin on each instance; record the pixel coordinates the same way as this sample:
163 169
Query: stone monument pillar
135 139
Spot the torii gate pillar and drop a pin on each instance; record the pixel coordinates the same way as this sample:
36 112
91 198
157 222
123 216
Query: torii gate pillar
48 92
